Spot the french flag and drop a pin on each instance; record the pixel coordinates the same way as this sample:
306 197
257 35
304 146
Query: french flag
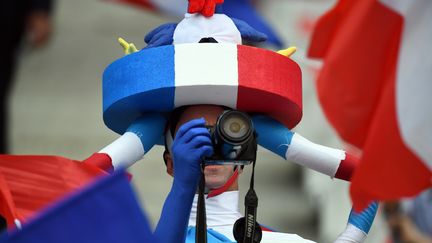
375 88
29 184
104 210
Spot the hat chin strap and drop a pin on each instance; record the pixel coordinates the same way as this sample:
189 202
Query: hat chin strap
224 188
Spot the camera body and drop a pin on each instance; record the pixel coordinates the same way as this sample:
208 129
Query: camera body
234 139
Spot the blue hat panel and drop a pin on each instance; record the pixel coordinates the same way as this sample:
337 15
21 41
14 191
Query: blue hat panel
138 83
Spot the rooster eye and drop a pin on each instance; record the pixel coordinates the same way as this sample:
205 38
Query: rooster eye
208 40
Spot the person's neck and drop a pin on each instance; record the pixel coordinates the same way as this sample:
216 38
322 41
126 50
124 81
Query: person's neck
233 187
220 190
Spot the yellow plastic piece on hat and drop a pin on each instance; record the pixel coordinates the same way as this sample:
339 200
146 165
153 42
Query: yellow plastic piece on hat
288 52
127 47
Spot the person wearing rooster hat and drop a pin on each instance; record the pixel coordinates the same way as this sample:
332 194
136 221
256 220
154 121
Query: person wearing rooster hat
201 61
199 70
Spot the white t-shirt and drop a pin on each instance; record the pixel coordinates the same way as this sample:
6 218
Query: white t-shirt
223 211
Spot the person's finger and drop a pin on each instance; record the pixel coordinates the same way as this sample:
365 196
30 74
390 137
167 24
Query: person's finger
194 132
199 141
200 122
206 151
39 28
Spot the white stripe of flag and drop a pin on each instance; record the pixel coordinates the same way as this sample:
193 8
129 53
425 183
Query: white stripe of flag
414 77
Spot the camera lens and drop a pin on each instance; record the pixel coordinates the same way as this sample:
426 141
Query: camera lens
235 126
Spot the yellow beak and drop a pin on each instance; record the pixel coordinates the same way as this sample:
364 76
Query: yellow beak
288 52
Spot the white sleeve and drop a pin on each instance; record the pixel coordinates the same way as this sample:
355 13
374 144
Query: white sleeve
125 151
351 234
314 156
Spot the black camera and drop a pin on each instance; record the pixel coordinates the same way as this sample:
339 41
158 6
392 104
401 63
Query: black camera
234 139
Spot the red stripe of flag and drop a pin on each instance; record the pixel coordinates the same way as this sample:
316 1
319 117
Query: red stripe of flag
359 42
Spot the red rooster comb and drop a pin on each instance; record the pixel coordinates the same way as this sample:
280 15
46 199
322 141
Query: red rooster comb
205 7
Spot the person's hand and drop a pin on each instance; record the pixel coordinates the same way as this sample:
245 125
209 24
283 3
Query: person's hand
39 28
192 142
406 229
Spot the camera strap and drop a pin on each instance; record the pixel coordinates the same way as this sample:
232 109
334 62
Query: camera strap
251 205
201 220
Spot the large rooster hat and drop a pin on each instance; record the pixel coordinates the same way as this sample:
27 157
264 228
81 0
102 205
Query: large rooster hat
201 60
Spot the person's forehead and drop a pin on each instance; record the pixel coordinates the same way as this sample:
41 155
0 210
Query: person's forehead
209 112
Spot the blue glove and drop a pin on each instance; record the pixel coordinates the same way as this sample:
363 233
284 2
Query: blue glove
149 129
272 134
191 143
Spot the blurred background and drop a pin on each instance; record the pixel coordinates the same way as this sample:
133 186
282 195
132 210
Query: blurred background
56 109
